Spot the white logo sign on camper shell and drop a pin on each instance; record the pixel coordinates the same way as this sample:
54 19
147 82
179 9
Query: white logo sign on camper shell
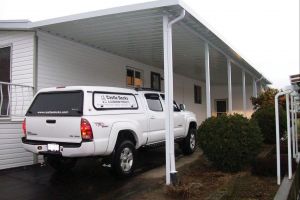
114 101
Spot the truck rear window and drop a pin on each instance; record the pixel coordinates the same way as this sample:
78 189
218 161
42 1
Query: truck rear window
57 104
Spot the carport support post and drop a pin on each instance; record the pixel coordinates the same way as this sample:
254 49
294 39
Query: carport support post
288 125
254 88
229 85
168 74
293 125
207 80
244 92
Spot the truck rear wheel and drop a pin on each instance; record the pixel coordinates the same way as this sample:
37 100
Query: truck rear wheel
188 145
60 164
123 163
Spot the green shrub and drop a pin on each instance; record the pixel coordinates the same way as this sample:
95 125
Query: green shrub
230 141
265 117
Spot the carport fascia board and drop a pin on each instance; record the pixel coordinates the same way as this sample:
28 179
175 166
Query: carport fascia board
108 11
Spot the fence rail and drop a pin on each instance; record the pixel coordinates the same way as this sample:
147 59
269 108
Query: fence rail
14 99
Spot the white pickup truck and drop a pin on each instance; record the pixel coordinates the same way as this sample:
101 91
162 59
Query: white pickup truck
66 123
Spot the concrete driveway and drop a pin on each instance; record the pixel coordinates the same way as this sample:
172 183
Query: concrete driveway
88 180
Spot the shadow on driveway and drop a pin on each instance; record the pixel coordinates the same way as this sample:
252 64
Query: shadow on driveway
88 180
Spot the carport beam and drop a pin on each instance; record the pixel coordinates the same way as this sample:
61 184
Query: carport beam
207 80
229 85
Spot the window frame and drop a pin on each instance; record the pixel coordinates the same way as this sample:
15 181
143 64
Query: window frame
195 99
134 70
152 80
57 92
159 98
216 108
162 96
10 45
120 93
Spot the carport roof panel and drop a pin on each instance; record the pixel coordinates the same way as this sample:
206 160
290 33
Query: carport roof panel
142 24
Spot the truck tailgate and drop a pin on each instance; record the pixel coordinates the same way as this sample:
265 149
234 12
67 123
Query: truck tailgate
55 116
55 129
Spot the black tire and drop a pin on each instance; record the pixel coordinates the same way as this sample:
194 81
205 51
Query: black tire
60 164
188 145
123 162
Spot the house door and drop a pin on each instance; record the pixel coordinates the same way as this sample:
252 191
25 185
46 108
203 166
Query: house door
221 106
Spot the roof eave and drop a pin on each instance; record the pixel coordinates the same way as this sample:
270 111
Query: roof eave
14 24
108 11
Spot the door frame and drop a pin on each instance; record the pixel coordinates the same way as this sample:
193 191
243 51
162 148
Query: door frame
216 109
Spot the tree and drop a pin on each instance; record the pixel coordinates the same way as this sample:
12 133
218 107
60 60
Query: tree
267 99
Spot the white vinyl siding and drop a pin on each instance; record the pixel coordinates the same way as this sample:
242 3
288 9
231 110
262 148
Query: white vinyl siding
63 62
12 153
22 59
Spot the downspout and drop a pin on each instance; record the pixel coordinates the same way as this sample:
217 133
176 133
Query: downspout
258 80
169 102
35 65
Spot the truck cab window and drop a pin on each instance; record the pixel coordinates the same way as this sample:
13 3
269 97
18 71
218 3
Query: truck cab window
175 105
153 102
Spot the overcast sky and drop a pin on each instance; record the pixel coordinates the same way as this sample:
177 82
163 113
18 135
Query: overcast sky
264 32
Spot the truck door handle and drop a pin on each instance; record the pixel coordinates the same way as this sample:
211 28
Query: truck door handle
152 117
51 121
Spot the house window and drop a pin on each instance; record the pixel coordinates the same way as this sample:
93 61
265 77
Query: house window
5 60
155 81
197 94
134 77
221 106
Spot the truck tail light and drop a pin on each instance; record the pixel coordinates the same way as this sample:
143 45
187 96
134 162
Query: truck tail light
86 130
24 127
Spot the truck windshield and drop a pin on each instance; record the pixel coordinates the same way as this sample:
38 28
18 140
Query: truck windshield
57 104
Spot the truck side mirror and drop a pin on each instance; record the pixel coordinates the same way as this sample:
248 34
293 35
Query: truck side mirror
182 107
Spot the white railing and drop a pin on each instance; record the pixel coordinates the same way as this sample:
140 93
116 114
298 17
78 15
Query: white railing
14 99
292 98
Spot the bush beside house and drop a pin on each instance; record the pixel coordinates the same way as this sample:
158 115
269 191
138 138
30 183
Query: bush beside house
229 141
265 117
264 106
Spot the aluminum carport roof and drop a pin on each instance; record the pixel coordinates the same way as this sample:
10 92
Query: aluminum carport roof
135 32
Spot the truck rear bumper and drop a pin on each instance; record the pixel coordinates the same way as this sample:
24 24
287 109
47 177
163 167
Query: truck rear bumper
82 149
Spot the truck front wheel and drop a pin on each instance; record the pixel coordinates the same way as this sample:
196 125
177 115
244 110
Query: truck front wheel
124 159
188 145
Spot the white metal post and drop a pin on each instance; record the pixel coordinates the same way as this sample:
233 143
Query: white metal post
293 125
295 128
278 134
244 92
277 138
166 82
296 132
287 97
229 86
207 80
168 73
